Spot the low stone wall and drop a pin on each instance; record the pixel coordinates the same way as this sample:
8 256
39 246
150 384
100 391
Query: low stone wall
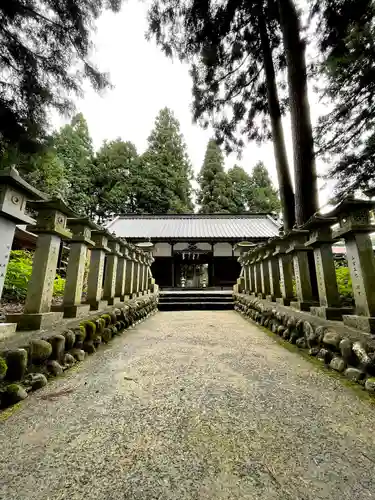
353 357
29 366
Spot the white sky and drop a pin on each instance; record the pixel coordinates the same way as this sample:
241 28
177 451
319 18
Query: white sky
144 81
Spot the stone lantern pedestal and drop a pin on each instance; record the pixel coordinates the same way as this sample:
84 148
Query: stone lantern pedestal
121 271
285 272
51 230
129 272
14 193
321 241
111 271
355 227
96 271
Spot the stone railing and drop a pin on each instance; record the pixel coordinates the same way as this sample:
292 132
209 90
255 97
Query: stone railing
117 270
289 285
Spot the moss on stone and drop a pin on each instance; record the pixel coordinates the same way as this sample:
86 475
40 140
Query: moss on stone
90 329
107 319
7 413
3 368
41 350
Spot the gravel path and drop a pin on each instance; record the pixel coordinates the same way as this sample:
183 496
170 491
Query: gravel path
191 405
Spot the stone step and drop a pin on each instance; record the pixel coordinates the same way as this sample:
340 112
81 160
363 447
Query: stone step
194 305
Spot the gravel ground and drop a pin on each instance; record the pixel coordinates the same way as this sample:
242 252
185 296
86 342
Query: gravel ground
191 405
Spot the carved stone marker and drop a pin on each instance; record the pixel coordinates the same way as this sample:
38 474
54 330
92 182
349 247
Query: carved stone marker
129 272
95 277
321 241
273 272
354 227
121 272
80 242
285 271
51 229
264 274
303 279
14 192
110 271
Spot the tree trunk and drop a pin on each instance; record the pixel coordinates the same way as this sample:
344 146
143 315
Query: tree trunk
281 159
306 197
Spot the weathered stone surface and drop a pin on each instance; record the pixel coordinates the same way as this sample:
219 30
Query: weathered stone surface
97 339
58 347
106 335
40 350
14 393
3 368
346 349
280 330
360 352
294 336
314 351
311 337
70 339
338 364
325 355
68 360
78 354
332 338
54 368
90 329
286 334
17 363
88 346
301 343
36 381
370 385
354 374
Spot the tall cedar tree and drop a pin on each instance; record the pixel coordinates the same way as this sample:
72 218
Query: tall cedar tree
44 56
165 170
262 196
73 147
346 35
234 48
113 177
214 185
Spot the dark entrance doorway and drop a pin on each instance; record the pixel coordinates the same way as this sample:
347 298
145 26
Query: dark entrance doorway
192 272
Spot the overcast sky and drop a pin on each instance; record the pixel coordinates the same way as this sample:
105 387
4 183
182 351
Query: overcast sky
145 81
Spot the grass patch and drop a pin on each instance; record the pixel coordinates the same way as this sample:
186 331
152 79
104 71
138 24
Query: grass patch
8 412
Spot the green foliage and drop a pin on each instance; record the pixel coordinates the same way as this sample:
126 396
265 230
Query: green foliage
45 48
262 195
344 283
163 181
214 184
18 276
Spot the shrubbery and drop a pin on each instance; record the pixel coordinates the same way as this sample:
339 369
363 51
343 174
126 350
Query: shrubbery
18 276
344 283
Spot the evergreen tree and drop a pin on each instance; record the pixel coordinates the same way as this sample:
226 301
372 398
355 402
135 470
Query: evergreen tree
262 196
235 51
214 185
165 171
240 186
45 49
346 34
113 177
73 147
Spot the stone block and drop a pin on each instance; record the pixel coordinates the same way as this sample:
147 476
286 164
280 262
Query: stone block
40 350
303 306
331 338
354 374
282 301
370 385
37 321
271 298
77 311
114 301
330 313
7 330
98 305
35 381
16 360
54 368
363 323
338 364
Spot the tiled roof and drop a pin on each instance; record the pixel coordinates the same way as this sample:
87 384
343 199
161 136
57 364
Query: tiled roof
194 226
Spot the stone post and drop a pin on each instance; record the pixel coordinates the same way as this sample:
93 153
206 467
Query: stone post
321 241
110 272
135 274
253 272
121 272
129 272
354 226
95 277
258 273
80 243
303 279
51 229
14 192
264 273
285 272
274 273
142 260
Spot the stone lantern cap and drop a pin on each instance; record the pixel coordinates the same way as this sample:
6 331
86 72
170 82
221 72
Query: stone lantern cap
81 228
353 216
280 243
14 194
320 230
52 217
114 244
296 239
100 237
